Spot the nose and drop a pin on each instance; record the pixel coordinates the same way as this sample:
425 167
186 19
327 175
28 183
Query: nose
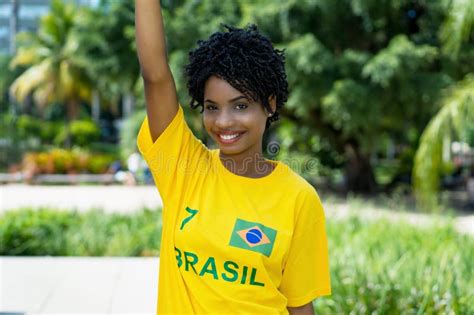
224 119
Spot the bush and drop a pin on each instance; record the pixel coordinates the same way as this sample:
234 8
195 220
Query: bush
395 268
60 161
69 233
82 132
99 163
30 127
31 232
49 130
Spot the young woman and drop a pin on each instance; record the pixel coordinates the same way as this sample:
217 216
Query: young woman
241 234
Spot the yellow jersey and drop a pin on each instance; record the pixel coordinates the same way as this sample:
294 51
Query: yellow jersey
232 244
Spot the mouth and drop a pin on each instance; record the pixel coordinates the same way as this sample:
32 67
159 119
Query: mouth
230 138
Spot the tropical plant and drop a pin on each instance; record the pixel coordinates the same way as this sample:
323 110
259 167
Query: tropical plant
457 107
451 121
53 72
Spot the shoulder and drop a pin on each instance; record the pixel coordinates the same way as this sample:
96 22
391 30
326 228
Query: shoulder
297 183
305 196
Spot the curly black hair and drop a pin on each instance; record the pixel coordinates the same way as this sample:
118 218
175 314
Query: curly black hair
245 59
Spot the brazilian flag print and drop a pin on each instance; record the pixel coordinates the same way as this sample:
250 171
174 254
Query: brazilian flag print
253 236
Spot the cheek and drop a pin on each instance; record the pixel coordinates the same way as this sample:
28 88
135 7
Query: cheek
251 117
206 122
258 122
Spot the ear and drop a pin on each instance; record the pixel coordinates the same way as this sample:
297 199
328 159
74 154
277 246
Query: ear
272 102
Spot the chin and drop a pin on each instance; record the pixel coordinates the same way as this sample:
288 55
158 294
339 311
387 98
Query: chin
233 150
230 151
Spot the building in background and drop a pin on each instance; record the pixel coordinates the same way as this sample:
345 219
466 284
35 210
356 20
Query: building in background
24 15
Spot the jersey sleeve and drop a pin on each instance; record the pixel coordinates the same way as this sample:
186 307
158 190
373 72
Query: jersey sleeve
306 269
175 159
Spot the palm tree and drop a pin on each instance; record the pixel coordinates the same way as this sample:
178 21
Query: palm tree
452 119
457 110
53 72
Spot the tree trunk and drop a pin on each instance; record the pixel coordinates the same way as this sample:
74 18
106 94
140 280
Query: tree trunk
72 114
72 110
95 106
359 175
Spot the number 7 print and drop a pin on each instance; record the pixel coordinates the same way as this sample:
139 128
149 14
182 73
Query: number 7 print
193 212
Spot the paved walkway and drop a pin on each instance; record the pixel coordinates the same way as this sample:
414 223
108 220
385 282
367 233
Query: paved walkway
65 285
113 198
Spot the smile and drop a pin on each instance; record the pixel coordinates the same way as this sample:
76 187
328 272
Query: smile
227 139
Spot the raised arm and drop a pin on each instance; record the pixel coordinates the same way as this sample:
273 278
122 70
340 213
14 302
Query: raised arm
160 89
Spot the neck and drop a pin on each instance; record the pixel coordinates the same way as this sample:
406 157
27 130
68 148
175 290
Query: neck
253 166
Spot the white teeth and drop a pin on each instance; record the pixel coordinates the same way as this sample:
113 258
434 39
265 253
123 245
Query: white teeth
229 137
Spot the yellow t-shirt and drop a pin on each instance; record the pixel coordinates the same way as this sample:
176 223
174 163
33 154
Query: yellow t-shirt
233 244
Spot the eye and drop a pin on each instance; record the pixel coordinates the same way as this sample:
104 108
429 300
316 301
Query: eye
243 106
209 107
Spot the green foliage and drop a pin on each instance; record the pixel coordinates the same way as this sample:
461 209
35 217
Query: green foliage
22 130
28 126
345 106
400 58
44 231
458 27
321 163
53 72
468 135
358 71
99 163
27 132
106 49
452 120
82 132
388 268
31 232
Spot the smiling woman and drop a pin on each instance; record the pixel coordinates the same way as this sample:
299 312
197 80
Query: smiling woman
237 124
241 233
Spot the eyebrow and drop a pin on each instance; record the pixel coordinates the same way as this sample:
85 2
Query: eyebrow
230 101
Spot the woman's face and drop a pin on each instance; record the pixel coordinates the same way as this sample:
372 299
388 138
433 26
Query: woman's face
234 122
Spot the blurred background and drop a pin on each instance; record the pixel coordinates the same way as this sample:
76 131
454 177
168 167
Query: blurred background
380 119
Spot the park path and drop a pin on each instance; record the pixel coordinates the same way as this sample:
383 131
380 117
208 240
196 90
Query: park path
113 198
